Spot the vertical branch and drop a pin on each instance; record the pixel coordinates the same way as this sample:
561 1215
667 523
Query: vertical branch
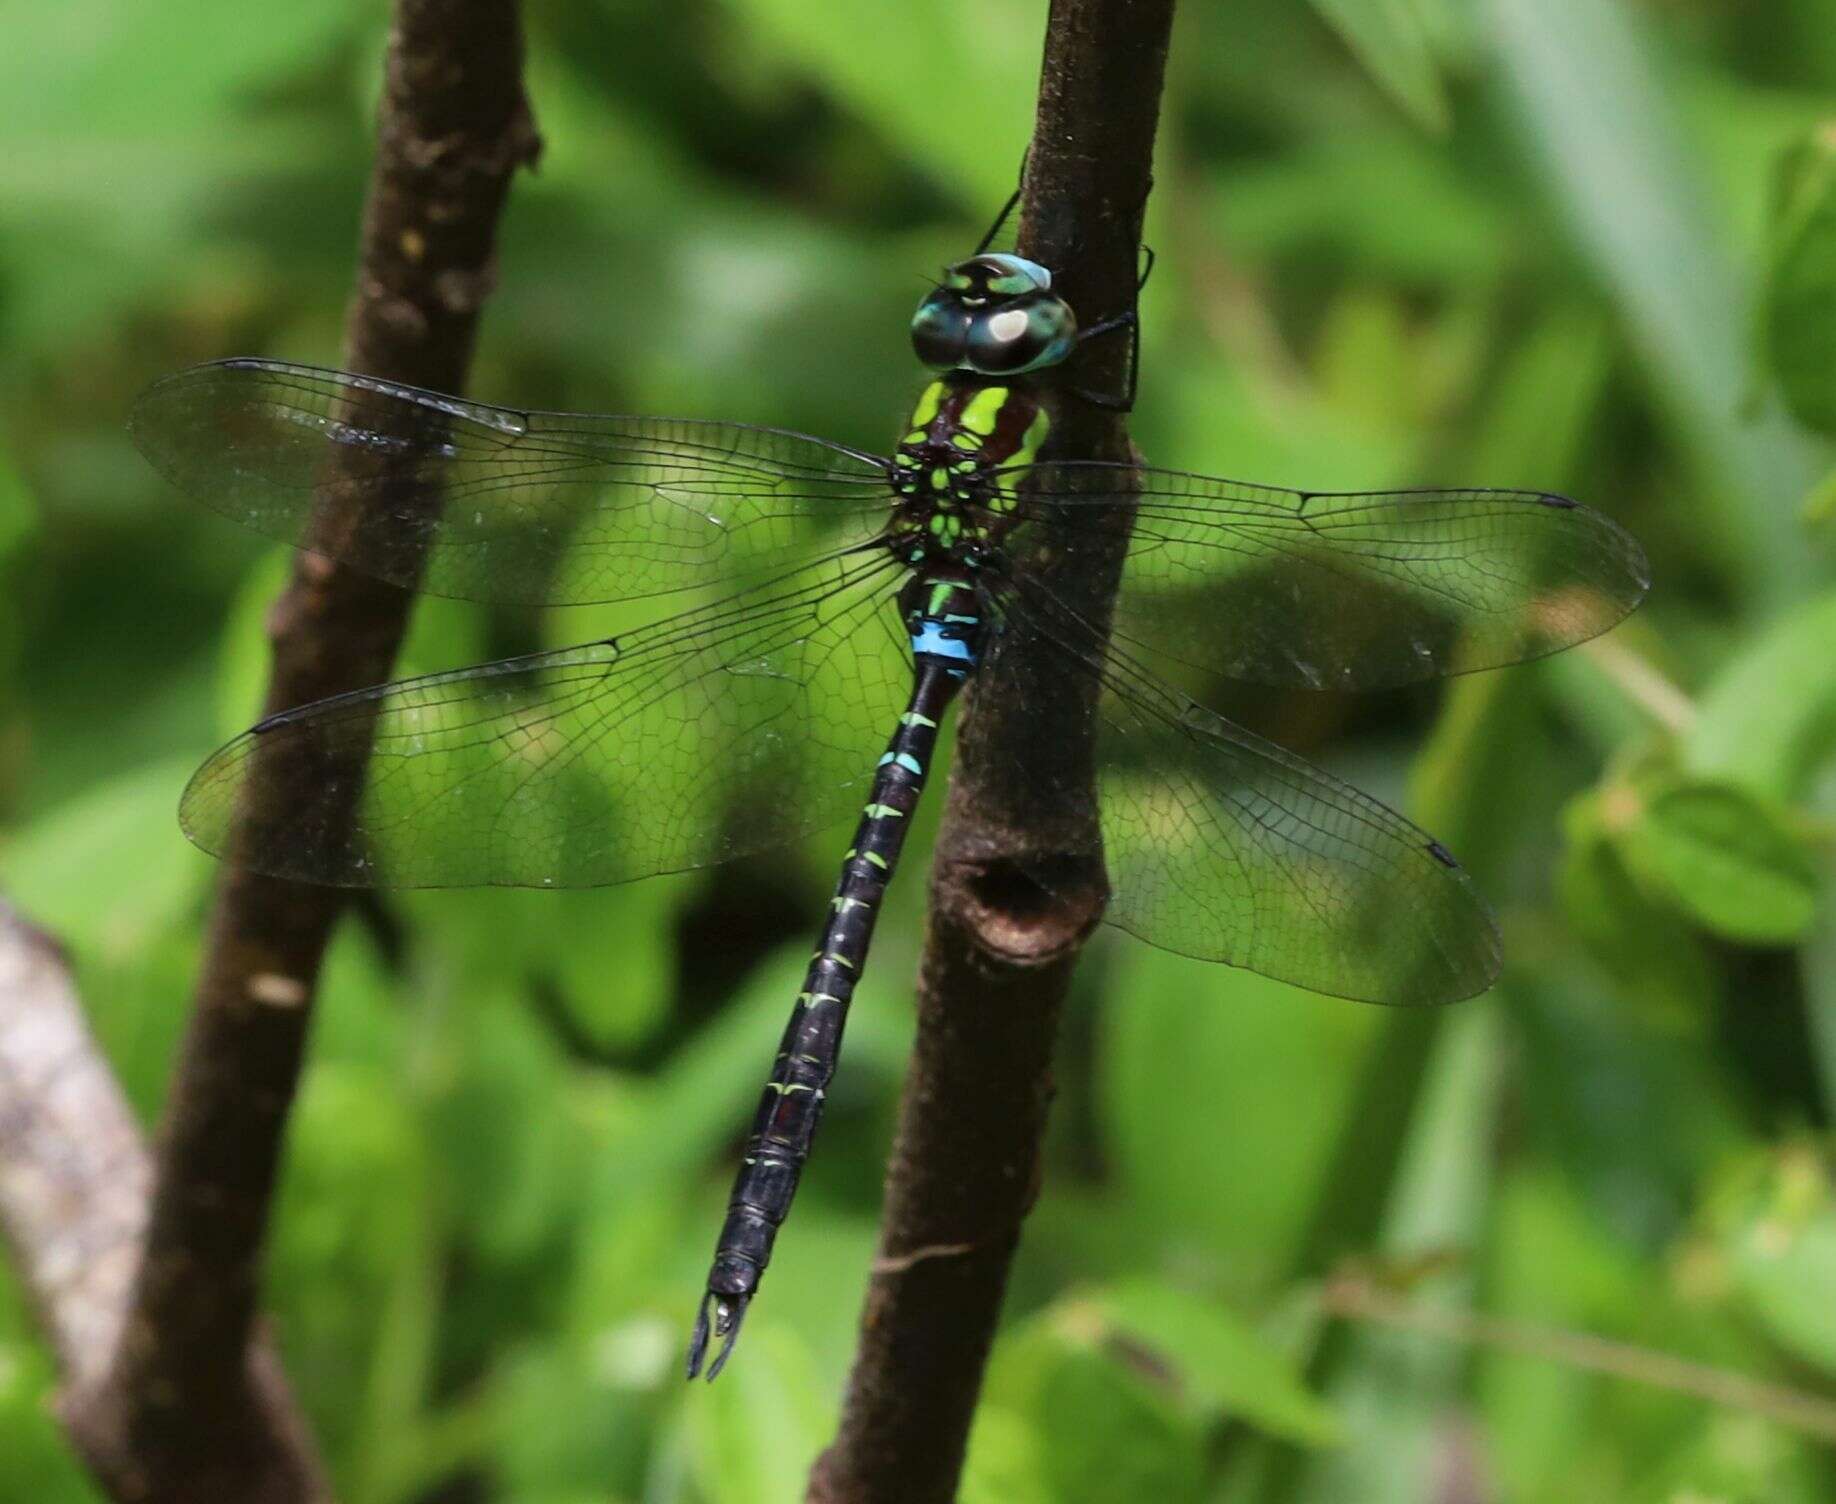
182 1412
1000 949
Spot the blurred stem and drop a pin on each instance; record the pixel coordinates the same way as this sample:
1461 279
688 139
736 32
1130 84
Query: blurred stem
179 1415
1639 680
1395 1388
999 950
1362 1299
1402 1176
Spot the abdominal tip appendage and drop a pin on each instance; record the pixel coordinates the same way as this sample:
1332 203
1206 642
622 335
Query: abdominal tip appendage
724 1327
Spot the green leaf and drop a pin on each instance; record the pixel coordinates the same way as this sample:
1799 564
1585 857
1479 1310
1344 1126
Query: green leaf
1768 720
84 67
1392 1389
1207 1055
1388 37
1798 314
753 1436
351 1221
1820 505
1222 1362
509 1167
1313 195
1486 725
1109 1422
1779 1235
565 1424
18 509
1725 858
1006 1464
30 1440
1628 1102
1642 943
955 108
111 870
1588 100
1547 394
1818 961
1548 1263
121 143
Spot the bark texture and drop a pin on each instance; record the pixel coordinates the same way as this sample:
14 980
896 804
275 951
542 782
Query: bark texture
74 1172
1000 947
187 1407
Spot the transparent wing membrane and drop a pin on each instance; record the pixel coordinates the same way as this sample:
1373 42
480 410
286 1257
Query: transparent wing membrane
754 720
719 732
492 504
1222 846
1345 591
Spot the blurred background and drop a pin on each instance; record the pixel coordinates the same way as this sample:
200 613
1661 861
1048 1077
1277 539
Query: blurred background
1584 245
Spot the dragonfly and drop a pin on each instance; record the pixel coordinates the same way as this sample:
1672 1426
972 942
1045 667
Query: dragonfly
838 601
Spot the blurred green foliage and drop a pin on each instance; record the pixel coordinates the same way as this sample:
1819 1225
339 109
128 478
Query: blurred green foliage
1576 244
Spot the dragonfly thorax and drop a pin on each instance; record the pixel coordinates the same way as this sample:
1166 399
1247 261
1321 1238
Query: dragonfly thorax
953 471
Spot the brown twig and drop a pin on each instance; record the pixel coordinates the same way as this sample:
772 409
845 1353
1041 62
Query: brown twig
74 1172
1000 948
180 1412
1359 1298
74 1182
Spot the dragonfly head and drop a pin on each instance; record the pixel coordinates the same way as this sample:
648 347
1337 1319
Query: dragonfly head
995 315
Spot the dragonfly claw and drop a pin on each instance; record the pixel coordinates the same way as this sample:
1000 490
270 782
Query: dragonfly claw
728 1310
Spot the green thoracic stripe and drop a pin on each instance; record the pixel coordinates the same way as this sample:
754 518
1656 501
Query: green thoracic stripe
928 403
984 410
1035 436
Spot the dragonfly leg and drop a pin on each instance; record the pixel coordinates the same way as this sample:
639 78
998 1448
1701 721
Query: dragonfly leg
1007 208
1109 401
1131 322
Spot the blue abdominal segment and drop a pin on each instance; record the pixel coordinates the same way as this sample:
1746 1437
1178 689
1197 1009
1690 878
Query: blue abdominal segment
929 638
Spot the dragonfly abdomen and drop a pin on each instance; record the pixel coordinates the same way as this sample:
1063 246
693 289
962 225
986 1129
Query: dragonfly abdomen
944 618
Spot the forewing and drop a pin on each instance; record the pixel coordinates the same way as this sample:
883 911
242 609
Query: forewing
1222 846
492 504
1345 590
717 733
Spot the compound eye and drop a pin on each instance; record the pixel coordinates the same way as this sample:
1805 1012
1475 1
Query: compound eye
1021 336
940 330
